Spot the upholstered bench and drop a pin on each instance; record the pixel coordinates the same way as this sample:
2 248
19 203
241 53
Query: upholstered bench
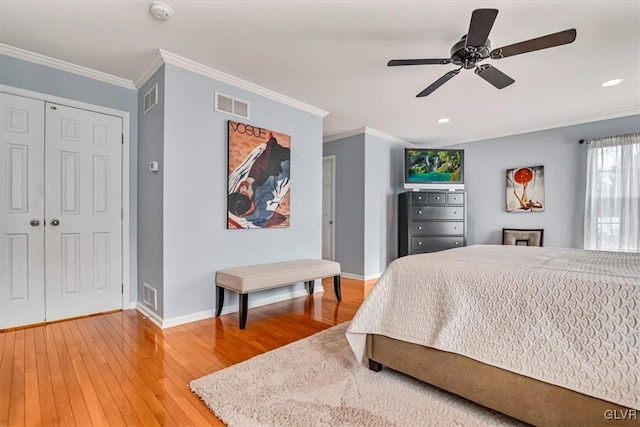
259 277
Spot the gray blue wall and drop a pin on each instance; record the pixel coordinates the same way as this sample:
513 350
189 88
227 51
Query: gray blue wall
369 176
196 240
349 198
38 78
383 180
150 191
564 163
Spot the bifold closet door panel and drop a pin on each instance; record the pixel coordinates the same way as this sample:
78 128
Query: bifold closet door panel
22 284
83 237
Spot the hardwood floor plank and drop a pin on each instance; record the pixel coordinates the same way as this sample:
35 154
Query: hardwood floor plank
63 407
3 338
48 410
76 398
119 369
16 411
6 377
170 382
33 415
125 395
136 365
89 384
99 372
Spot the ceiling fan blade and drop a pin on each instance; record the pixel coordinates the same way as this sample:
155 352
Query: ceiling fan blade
396 62
435 85
544 42
494 76
481 22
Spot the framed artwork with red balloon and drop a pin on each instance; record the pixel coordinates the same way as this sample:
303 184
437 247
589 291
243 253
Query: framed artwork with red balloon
525 189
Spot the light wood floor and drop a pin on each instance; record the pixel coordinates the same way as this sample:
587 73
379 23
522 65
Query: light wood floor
120 369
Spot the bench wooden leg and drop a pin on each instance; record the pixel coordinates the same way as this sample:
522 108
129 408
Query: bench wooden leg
375 366
244 300
220 299
336 287
309 286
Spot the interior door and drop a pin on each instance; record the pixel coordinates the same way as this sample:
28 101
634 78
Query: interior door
328 208
21 211
83 240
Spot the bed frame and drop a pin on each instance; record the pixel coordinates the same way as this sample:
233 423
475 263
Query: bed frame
520 397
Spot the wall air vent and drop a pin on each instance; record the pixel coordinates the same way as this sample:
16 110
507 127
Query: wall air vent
229 105
151 98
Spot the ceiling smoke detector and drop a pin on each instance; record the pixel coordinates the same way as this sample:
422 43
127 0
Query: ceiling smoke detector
160 11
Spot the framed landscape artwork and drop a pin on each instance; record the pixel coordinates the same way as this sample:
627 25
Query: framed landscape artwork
525 189
258 177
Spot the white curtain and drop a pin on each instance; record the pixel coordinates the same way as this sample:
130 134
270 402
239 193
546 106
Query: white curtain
612 209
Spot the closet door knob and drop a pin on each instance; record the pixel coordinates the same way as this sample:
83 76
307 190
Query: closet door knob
34 222
55 222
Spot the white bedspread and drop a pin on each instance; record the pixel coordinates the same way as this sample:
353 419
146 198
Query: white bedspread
568 317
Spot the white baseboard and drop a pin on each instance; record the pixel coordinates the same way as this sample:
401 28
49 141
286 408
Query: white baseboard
188 318
133 305
360 276
153 317
207 314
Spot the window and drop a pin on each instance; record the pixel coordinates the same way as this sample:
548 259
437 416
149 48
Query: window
612 208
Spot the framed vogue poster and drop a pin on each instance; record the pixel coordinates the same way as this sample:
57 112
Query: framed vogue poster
258 177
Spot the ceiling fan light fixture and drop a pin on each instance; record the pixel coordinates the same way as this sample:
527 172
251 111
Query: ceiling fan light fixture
610 83
444 120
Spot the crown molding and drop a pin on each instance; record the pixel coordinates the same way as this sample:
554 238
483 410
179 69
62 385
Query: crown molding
344 135
382 135
47 61
616 113
368 131
629 110
148 72
187 64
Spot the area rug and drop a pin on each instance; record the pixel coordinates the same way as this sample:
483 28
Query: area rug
318 382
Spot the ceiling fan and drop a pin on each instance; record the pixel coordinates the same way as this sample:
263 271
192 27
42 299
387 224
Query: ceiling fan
475 47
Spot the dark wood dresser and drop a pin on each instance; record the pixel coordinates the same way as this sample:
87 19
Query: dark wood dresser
431 221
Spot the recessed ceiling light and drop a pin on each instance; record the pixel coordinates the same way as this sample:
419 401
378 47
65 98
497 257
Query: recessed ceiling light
444 120
611 82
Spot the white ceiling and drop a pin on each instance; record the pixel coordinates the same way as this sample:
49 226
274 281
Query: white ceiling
333 55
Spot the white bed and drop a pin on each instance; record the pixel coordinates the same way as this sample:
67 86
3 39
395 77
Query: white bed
565 317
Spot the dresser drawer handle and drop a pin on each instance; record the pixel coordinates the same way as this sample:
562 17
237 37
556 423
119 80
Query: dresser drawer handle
419 243
457 243
419 212
419 228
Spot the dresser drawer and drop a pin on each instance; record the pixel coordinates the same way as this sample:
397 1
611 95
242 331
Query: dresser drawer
430 244
422 228
455 199
437 199
419 198
437 212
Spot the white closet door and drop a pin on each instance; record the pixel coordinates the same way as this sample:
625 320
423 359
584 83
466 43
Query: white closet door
83 240
21 211
328 209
